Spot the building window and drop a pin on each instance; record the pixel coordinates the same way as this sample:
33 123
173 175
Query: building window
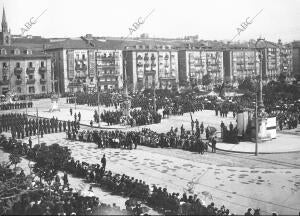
18 64
18 77
31 89
4 90
83 57
42 64
43 88
19 90
4 65
92 79
17 52
30 64
3 51
28 52
43 76
30 76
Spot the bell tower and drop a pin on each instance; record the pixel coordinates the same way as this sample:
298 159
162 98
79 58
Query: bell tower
5 37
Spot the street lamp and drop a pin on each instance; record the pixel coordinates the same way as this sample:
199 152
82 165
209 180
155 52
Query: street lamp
256 127
98 92
26 102
260 98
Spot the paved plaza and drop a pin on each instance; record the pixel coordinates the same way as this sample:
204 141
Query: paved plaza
238 181
232 184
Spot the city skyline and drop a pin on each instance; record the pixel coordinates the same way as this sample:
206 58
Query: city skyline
211 20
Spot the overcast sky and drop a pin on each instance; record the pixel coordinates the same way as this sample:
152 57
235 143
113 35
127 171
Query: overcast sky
210 19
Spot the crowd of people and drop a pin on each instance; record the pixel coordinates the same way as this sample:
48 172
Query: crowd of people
119 184
105 99
15 105
183 139
144 117
21 126
108 139
186 140
111 117
24 195
229 135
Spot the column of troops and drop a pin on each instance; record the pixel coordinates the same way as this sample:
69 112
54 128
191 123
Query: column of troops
22 126
18 105
92 99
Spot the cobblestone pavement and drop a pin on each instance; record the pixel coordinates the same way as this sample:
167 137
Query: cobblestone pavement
235 180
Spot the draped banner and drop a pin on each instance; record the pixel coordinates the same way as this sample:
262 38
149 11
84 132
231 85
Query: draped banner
70 60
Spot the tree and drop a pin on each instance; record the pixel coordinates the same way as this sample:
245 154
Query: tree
15 158
206 80
247 85
49 160
282 77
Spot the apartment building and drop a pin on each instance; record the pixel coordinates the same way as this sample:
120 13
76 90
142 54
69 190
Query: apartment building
151 66
195 63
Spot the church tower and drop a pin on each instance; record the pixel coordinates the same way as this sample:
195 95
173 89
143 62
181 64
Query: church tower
5 37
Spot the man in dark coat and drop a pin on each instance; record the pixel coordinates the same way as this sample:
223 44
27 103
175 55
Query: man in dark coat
213 145
103 162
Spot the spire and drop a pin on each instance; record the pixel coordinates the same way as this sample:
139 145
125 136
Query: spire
4 23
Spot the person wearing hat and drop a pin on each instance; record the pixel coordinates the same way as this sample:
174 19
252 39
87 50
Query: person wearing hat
248 213
256 212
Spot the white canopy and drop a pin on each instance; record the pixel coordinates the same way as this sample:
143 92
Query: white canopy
212 93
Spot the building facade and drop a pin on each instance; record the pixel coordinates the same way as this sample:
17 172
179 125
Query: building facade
296 58
79 62
286 60
276 59
22 70
196 63
109 68
240 63
147 67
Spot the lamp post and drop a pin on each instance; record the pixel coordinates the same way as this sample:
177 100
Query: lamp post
26 102
256 127
98 92
126 83
260 98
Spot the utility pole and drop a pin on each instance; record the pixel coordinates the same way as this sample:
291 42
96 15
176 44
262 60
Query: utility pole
261 57
26 102
75 99
98 92
154 98
256 127
126 87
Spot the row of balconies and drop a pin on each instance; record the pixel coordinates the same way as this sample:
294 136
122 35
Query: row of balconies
20 81
109 74
146 58
146 65
107 58
29 70
112 65
79 67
